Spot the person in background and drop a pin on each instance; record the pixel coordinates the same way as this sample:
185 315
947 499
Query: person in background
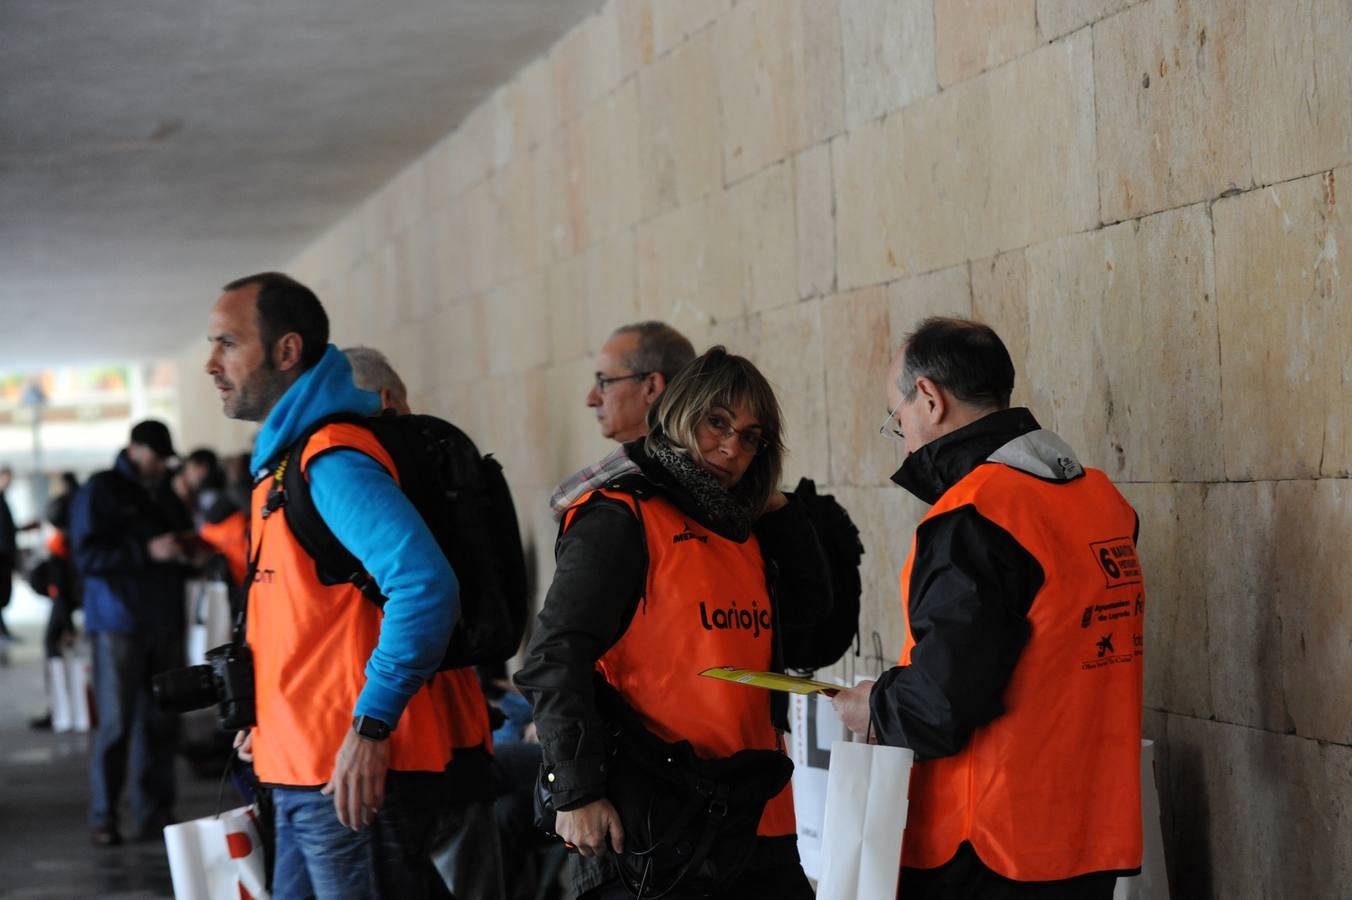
465 849
9 550
633 368
127 536
61 584
221 522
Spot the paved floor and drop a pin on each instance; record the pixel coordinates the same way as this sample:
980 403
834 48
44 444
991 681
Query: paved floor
44 843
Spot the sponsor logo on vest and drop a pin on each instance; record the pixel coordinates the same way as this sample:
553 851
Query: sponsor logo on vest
1105 644
1107 654
688 535
1107 612
264 576
754 619
1117 559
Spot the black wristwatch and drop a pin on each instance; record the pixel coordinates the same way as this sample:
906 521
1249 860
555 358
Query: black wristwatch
370 728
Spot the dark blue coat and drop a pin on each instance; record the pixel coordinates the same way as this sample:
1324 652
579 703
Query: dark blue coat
112 519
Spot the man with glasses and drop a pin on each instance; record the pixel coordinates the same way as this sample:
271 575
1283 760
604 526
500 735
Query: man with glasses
632 370
1019 683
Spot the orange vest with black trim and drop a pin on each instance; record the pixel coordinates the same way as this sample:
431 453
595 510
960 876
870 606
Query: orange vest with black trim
705 604
310 645
230 538
1051 788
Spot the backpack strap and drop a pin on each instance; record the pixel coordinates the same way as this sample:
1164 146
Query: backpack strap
334 563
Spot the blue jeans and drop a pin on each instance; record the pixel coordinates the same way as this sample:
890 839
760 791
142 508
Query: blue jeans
318 857
129 720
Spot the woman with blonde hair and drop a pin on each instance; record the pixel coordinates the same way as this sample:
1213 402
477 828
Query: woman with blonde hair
691 558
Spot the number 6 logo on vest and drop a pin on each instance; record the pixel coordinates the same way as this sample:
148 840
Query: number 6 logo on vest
1117 560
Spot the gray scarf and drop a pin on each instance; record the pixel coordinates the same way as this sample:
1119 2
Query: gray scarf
727 512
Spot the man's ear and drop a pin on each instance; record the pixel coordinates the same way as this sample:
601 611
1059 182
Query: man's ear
932 401
286 352
653 386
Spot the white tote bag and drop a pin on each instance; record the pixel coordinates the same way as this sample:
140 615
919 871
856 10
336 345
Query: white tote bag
68 692
1153 882
218 857
866 801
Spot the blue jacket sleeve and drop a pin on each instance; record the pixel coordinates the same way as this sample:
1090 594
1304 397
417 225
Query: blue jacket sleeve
100 542
371 517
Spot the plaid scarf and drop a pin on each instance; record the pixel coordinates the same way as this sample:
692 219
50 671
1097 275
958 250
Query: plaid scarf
590 478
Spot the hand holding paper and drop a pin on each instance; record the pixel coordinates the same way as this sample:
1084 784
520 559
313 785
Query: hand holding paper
851 704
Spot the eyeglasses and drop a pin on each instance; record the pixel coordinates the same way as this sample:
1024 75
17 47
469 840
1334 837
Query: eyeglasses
603 380
750 439
889 427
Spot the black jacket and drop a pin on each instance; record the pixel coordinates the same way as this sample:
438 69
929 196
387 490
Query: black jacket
600 575
9 545
971 588
112 518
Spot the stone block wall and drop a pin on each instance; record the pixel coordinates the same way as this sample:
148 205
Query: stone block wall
1142 197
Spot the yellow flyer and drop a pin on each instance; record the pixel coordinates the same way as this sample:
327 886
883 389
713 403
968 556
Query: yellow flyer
773 681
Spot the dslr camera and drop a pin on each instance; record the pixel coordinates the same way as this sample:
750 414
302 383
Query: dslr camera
226 680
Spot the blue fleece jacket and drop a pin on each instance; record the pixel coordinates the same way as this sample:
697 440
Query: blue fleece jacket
370 515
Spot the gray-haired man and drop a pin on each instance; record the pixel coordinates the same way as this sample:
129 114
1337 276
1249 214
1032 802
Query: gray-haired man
465 848
632 370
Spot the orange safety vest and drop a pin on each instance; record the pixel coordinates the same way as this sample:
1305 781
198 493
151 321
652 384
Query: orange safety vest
705 604
230 538
1051 788
310 645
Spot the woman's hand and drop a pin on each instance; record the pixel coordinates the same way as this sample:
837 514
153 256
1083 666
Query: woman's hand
777 501
587 826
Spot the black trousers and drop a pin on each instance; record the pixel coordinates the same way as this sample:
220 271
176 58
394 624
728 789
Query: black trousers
966 877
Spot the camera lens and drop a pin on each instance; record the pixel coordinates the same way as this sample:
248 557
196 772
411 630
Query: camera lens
182 690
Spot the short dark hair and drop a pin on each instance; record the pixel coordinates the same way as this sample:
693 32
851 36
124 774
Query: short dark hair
284 306
205 457
967 358
661 348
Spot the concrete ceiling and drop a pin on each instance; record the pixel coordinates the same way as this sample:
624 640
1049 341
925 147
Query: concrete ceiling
150 150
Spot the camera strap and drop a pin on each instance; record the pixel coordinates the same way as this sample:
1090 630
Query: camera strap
276 500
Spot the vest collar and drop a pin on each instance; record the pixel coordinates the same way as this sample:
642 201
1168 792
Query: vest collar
934 468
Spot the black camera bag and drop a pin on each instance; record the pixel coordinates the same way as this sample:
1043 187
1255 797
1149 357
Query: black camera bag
689 823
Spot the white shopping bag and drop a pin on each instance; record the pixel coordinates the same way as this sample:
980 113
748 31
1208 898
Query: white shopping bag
815 726
866 801
1153 882
68 692
217 858
209 619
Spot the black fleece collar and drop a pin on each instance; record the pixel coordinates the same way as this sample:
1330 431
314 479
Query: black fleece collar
943 462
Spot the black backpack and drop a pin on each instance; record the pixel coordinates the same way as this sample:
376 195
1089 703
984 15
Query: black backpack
840 541
463 498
